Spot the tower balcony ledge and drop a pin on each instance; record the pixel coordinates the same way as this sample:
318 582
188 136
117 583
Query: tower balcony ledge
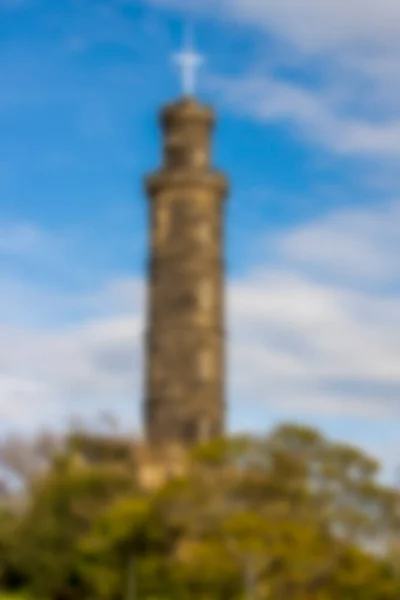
176 179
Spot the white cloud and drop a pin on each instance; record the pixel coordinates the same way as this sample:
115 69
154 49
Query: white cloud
310 24
316 25
313 113
357 245
45 376
316 347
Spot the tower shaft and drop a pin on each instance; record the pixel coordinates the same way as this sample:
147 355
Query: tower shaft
185 368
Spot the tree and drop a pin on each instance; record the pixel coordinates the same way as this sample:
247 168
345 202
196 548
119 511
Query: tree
62 506
290 515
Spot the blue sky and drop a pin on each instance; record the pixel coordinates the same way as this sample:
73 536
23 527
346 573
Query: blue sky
309 134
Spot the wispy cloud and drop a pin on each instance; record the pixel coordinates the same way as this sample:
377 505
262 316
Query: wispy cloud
311 25
311 113
359 246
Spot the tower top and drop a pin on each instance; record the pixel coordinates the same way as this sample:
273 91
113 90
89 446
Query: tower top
187 109
188 60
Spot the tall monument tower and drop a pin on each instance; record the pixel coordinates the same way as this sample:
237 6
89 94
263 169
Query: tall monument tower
184 396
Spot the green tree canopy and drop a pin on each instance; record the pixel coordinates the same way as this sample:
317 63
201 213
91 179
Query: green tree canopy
291 515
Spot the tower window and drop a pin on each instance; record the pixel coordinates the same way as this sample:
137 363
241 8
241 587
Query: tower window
205 365
199 158
203 233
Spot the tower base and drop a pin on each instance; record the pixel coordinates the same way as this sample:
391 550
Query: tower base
156 466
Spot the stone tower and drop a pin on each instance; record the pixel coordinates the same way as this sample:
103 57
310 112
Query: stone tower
184 397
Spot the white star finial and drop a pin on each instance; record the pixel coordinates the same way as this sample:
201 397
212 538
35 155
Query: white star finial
188 61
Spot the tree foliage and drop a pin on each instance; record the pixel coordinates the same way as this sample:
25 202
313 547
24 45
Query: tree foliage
291 515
